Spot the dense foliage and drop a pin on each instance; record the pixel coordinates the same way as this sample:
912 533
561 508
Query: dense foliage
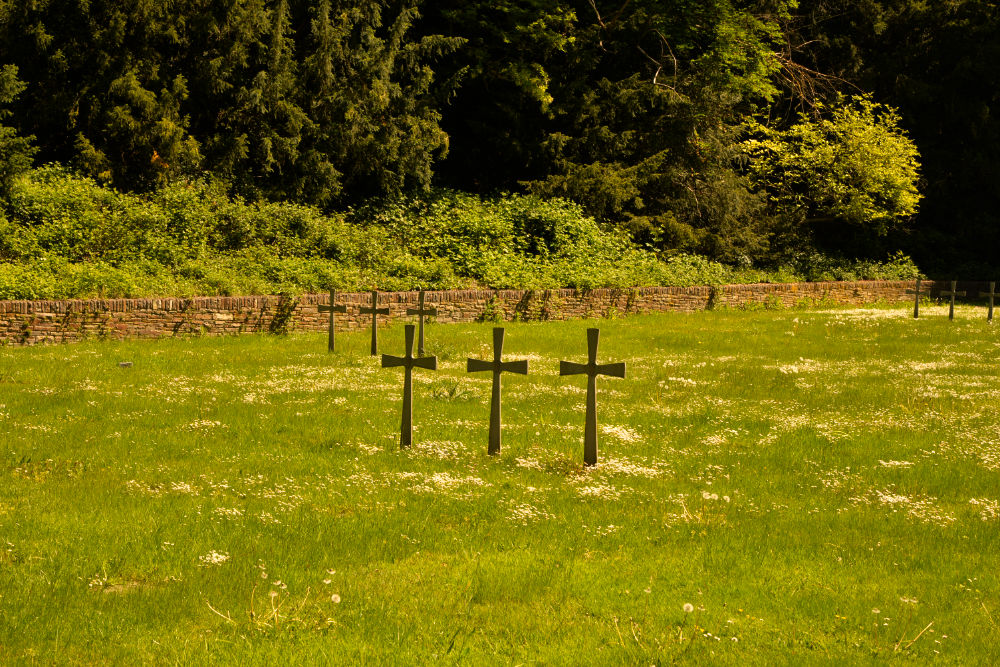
718 128
66 236
851 170
15 151
284 98
937 63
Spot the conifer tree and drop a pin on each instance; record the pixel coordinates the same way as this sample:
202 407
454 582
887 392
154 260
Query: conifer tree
644 126
15 151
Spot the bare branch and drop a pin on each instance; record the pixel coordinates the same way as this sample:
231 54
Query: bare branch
806 85
664 51
614 19
600 21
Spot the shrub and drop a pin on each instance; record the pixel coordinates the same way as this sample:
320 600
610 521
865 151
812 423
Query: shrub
62 235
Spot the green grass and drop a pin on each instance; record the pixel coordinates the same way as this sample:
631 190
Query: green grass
819 486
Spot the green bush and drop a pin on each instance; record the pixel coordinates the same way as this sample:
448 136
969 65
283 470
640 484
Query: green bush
64 236
817 267
511 241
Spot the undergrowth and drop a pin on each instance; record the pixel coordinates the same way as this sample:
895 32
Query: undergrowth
65 236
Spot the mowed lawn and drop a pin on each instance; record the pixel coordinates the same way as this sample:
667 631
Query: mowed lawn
791 486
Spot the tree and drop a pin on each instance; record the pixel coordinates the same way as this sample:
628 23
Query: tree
325 102
368 86
647 117
852 166
936 62
497 90
15 151
101 95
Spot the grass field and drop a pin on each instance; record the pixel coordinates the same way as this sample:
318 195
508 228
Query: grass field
790 486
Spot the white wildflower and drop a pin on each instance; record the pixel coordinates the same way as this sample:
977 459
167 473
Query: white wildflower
213 558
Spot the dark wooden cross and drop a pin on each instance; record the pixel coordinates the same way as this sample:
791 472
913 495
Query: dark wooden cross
498 366
991 294
591 369
953 293
916 299
408 362
374 311
331 309
420 311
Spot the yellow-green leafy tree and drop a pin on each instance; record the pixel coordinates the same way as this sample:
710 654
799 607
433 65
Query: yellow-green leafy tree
850 165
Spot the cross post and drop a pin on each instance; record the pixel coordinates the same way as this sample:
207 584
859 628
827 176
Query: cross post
420 311
497 366
916 299
991 294
408 362
953 293
331 309
374 311
591 369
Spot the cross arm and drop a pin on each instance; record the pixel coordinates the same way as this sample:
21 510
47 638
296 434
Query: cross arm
377 311
614 370
336 309
430 363
519 367
573 368
478 365
953 291
389 361
421 311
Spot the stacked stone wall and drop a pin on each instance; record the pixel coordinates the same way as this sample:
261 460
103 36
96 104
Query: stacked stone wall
30 322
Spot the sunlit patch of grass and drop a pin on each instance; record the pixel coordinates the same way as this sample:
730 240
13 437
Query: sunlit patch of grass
772 486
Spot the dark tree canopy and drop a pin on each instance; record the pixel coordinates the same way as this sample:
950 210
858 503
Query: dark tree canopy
638 110
312 101
937 62
15 151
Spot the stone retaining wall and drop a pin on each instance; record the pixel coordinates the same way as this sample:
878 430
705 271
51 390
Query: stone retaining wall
29 322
